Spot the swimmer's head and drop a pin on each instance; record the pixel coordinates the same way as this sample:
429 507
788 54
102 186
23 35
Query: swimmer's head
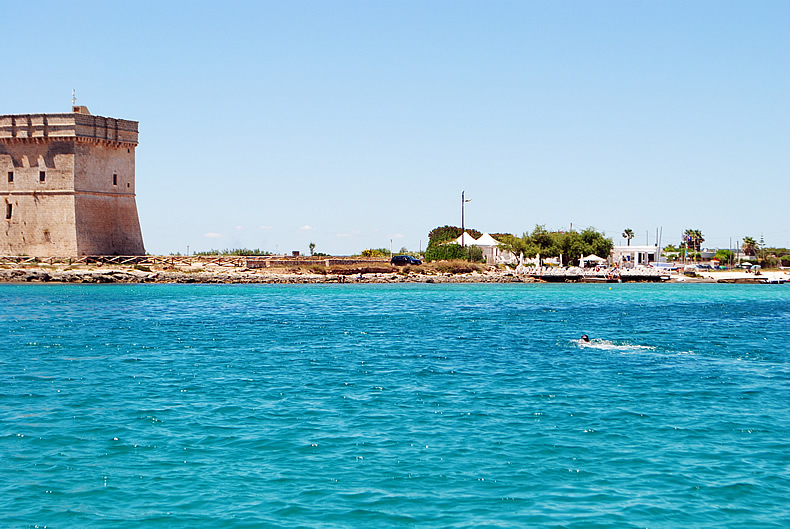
585 338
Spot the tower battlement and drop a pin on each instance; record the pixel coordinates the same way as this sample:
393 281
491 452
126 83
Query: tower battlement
73 125
67 185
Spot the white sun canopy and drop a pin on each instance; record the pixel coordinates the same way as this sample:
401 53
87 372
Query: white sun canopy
465 240
487 240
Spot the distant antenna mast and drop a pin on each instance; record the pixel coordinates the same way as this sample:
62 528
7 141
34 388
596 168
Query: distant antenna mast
463 201
73 97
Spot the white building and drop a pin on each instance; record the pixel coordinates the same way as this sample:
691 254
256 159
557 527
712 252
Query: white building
630 256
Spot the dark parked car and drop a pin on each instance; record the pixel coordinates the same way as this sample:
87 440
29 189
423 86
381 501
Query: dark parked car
403 260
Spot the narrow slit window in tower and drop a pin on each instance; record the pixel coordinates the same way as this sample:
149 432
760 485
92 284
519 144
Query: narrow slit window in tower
10 176
9 208
42 175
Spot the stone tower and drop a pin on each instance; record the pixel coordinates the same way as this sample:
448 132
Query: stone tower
67 185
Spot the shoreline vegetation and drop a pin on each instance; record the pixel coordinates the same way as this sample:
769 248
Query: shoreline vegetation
453 255
306 270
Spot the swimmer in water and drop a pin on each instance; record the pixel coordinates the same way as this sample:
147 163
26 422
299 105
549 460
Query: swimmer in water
585 338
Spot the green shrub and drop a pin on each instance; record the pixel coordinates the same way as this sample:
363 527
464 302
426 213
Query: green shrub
375 252
475 254
452 251
456 266
235 251
724 256
445 252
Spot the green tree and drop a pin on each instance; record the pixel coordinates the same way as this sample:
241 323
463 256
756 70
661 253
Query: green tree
628 234
574 245
693 239
571 245
544 241
312 248
749 246
448 233
596 243
517 245
724 256
698 240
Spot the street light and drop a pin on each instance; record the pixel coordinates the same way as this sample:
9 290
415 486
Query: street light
463 201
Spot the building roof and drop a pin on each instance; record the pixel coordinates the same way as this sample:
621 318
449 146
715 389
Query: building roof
465 240
593 257
487 240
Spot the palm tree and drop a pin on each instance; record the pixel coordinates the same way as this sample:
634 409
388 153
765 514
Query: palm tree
628 233
698 240
686 242
749 246
693 238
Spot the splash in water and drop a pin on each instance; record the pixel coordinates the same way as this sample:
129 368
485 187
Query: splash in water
608 345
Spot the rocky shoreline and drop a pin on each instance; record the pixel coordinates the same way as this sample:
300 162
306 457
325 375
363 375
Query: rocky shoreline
97 274
120 275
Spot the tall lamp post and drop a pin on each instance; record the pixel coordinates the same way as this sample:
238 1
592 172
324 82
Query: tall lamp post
463 201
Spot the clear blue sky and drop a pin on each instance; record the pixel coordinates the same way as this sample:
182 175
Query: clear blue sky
353 123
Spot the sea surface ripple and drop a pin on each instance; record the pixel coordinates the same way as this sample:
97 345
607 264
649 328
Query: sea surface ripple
425 406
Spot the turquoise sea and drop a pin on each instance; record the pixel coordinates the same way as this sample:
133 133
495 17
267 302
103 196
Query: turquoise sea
427 406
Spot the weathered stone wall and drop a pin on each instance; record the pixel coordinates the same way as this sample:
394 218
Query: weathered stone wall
41 212
41 224
97 163
107 222
26 158
67 186
107 225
